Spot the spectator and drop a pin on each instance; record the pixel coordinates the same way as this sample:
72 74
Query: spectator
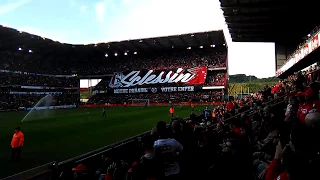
166 150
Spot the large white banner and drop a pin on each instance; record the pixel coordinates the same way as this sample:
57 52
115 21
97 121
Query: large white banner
192 76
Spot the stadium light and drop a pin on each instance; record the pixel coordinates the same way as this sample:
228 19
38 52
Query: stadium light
212 45
201 47
125 53
30 51
20 49
106 55
189 48
115 54
135 53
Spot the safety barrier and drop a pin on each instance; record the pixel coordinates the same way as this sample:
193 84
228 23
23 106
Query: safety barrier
123 150
43 172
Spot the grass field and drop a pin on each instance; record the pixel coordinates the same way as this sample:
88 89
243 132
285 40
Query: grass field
71 132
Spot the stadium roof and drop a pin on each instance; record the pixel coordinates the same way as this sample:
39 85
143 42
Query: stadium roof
14 39
280 21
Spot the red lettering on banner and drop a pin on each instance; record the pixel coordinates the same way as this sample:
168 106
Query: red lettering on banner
315 42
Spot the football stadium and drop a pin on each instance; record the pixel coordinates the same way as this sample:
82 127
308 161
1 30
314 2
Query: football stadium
161 109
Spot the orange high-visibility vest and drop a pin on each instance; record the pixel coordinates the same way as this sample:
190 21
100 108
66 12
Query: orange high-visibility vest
171 110
17 139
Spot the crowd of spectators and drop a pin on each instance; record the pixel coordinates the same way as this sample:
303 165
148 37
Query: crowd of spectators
16 101
13 96
35 63
25 79
216 79
312 73
207 96
272 134
172 61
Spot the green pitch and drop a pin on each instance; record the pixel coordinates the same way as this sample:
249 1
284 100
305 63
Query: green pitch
68 133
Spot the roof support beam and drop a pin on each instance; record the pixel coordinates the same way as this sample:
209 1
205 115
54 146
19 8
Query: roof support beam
172 44
184 42
249 31
253 35
158 43
125 47
138 45
197 40
250 40
147 44
150 48
246 14
134 45
251 19
248 23
115 48
210 39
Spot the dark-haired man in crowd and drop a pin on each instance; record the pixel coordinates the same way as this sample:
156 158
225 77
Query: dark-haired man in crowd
167 149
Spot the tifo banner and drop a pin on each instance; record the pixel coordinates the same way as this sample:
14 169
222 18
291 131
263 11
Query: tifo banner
191 76
157 89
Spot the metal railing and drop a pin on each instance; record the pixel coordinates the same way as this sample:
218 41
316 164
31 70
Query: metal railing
43 172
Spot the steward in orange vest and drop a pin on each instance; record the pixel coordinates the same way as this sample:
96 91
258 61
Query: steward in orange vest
192 106
171 110
16 144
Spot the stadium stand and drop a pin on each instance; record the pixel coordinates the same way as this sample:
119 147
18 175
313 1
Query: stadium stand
22 90
25 53
222 146
271 134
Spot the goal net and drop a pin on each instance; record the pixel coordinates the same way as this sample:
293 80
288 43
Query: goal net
140 102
